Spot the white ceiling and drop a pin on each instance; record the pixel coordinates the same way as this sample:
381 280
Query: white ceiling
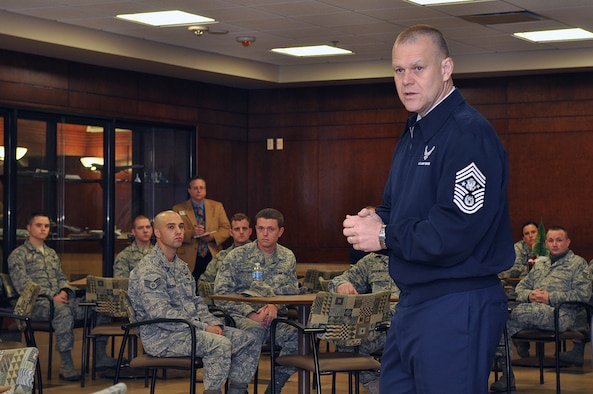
86 31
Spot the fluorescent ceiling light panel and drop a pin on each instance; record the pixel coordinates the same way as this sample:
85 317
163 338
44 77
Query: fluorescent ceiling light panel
314 50
166 18
555 35
441 2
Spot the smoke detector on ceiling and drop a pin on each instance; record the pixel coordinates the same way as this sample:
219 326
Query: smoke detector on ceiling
246 40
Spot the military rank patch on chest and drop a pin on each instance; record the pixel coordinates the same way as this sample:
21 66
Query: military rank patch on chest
470 189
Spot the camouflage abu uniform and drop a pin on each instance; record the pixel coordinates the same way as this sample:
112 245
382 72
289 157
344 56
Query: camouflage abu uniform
522 256
158 289
27 263
213 266
128 258
567 279
369 275
235 277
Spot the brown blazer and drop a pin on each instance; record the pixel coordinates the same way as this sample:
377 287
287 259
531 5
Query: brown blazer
216 219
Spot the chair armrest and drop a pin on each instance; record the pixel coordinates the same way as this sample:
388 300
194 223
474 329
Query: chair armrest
219 312
28 331
579 304
51 305
296 324
588 307
10 314
156 321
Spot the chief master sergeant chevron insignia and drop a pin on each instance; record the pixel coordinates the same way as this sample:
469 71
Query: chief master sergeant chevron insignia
470 188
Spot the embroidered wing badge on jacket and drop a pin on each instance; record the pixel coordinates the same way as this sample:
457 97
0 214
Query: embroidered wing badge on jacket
470 189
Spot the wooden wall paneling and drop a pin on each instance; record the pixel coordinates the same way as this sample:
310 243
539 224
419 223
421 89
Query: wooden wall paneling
223 164
287 180
549 180
25 69
351 176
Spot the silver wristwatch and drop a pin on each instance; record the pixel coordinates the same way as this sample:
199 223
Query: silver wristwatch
382 237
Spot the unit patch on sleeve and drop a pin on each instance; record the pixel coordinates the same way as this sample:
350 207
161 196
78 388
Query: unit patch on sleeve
470 189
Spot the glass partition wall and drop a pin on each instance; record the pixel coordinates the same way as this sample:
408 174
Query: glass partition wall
92 178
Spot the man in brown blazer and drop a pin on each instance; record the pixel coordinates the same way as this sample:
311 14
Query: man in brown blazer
206 227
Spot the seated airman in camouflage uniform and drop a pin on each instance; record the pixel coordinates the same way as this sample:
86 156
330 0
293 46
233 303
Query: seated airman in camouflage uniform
561 276
369 275
37 262
161 285
523 253
240 231
279 273
128 258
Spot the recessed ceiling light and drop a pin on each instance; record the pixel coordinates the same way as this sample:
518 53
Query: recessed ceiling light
441 2
555 35
166 18
314 50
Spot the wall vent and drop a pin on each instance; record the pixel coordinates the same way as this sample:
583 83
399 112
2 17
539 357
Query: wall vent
503 17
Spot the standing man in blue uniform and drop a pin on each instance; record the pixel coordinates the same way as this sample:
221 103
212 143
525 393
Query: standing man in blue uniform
445 222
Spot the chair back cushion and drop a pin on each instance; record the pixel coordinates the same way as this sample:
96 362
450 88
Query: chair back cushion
348 318
323 283
204 291
311 279
127 305
9 294
105 292
17 368
26 302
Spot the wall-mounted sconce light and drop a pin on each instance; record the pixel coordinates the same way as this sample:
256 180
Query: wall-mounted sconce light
20 152
92 162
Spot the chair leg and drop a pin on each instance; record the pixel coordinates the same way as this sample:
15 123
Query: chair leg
507 355
50 351
153 381
38 384
557 363
539 346
255 380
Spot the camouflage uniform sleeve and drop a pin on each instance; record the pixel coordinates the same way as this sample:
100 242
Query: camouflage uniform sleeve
17 269
226 282
577 288
120 265
62 280
149 295
526 285
357 275
213 266
519 267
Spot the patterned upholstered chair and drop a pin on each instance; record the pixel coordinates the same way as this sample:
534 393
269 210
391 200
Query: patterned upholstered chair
102 296
17 369
340 319
312 275
151 363
21 314
36 324
204 291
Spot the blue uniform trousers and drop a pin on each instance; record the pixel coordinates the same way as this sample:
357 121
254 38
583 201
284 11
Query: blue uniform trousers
444 345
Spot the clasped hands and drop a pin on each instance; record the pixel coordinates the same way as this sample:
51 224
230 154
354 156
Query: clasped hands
362 230
265 315
539 295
